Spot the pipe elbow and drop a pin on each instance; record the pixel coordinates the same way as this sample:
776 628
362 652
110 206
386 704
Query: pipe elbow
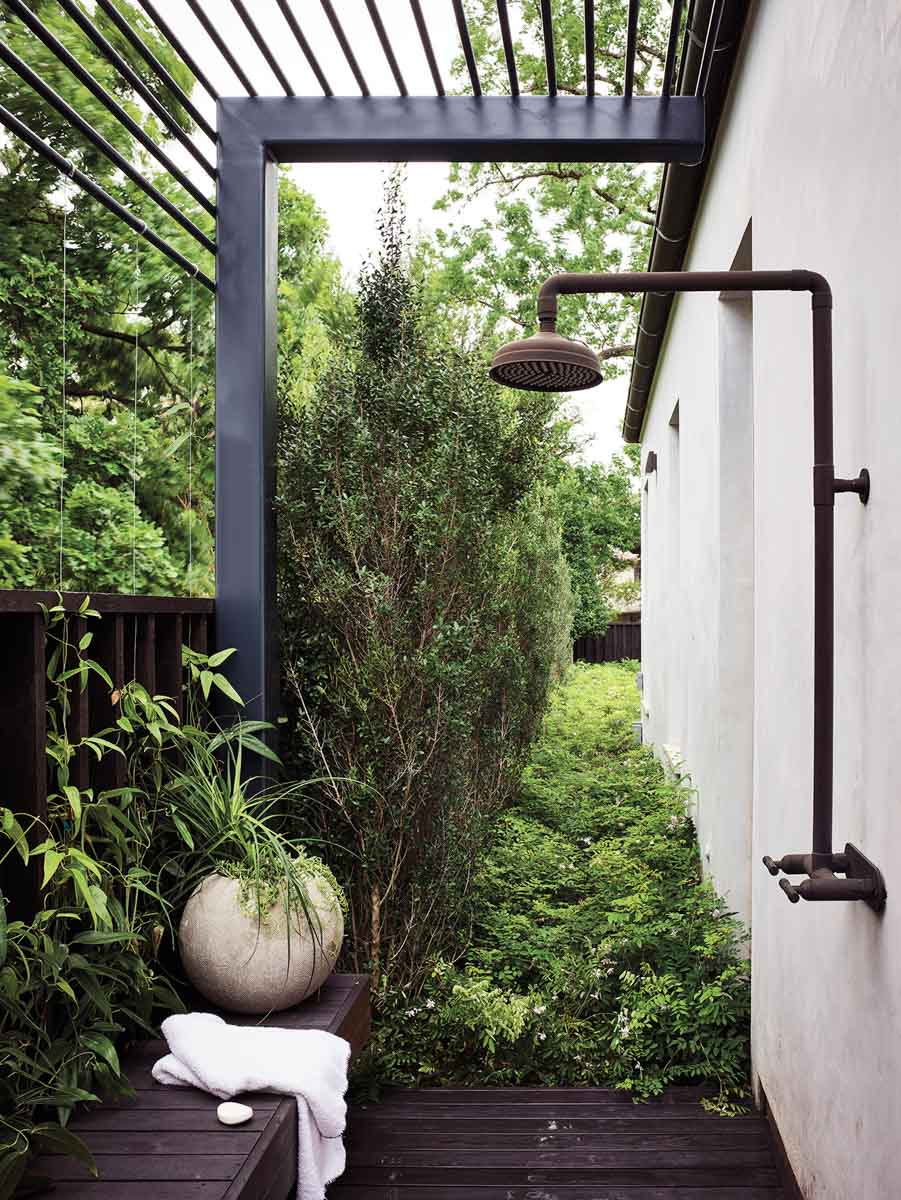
818 286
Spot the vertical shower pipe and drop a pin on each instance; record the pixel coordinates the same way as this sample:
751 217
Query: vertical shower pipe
825 485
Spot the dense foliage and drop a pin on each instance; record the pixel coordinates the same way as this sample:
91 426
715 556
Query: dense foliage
600 515
95 965
135 350
511 225
599 955
424 605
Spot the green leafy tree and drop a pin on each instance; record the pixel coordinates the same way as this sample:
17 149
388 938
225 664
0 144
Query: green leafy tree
601 518
139 334
424 605
557 216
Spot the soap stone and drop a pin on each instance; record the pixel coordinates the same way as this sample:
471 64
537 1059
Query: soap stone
231 1113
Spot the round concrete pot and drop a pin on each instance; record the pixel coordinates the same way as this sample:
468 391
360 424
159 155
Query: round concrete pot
246 966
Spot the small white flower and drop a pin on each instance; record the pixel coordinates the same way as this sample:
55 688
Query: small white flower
411 1012
597 972
539 1009
610 970
541 1036
430 1003
674 822
716 913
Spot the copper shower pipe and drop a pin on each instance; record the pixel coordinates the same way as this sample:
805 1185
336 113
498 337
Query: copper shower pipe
863 881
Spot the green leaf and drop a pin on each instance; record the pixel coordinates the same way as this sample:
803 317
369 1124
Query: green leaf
206 682
221 656
102 937
226 688
4 941
66 988
52 859
9 983
16 834
104 1048
73 795
12 1168
183 830
63 1141
85 641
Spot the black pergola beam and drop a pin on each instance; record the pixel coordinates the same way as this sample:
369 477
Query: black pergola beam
487 129
254 136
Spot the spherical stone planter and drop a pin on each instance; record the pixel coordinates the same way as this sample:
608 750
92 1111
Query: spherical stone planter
248 966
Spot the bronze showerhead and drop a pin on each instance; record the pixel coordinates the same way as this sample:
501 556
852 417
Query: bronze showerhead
546 362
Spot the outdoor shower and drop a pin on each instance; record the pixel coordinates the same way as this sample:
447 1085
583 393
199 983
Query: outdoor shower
549 362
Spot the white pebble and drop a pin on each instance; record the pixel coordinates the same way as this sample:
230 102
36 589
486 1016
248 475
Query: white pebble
231 1113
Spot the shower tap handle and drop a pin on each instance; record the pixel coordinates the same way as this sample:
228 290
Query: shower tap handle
773 867
790 890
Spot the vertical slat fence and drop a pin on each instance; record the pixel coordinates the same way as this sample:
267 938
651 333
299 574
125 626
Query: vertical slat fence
136 637
622 640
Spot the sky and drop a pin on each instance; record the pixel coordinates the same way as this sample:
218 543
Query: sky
349 193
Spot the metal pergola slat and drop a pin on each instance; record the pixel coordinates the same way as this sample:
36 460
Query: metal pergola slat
346 49
190 62
158 69
112 56
263 47
550 61
62 164
631 46
669 69
381 33
213 34
466 43
503 18
423 31
97 140
55 46
589 48
305 48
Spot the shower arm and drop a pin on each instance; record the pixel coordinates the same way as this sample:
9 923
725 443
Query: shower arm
863 881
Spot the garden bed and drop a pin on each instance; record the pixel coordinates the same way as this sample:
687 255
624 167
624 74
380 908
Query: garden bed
598 955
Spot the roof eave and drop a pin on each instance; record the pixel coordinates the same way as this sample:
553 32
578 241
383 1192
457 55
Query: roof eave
681 189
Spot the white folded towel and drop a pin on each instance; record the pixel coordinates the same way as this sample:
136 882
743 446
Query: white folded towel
310 1064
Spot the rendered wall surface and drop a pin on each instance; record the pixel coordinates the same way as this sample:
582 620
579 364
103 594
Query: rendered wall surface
810 151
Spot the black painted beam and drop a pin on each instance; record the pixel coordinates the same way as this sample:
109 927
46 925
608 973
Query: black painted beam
254 135
487 129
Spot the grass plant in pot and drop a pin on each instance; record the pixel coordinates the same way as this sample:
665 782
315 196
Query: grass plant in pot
263 919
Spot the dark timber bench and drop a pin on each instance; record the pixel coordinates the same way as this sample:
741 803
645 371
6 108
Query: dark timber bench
167 1144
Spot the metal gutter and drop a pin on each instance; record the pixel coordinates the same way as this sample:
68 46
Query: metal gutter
681 189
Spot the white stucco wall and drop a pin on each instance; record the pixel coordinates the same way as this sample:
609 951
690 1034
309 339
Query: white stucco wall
810 151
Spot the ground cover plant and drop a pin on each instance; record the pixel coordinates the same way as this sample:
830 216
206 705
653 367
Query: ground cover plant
598 956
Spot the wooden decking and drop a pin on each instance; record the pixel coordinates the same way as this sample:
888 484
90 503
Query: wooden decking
553 1144
167 1144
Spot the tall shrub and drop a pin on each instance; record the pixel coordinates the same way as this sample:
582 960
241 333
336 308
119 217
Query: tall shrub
424 603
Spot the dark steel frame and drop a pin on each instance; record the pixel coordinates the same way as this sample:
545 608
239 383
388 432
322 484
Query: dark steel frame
254 136
863 880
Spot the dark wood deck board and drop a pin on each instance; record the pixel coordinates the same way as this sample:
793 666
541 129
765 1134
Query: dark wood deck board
554 1144
166 1143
